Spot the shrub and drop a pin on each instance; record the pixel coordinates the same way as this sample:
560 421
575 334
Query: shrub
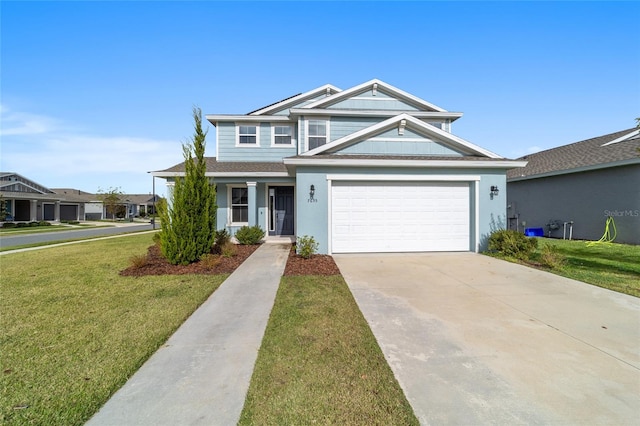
9 225
138 261
222 237
512 243
228 249
551 257
306 246
250 235
209 260
44 223
22 225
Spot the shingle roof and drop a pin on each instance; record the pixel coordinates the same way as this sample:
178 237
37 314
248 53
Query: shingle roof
227 167
396 157
578 156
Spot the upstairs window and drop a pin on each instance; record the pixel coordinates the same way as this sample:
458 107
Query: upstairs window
282 135
239 205
247 134
317 133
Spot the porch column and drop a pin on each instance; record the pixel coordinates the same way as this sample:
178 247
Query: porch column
33 210
56 212
252 201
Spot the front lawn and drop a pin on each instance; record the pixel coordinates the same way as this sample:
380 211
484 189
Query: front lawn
320 364
608 265
74 330
612 266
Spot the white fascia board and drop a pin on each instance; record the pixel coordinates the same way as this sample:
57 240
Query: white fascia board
459 164
223 174
296 99
294 112
403 178
389 123
381 84
216 118
623 138
576 170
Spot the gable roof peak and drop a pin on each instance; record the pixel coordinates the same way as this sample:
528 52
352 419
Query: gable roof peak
327 90
374 85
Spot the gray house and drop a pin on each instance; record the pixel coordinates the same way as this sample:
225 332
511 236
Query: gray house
577 187
28 201
371 168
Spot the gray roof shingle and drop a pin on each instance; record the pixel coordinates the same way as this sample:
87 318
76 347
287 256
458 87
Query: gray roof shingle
578 156
214 166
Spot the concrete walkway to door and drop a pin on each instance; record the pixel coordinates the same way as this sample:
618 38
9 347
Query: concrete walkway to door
476 340
202 374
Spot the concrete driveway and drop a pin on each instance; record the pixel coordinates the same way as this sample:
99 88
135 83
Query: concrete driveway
475 340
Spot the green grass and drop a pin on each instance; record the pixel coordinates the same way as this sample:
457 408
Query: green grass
41 229
74 330
612 266
320 364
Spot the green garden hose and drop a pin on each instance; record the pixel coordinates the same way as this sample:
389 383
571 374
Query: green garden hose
607 237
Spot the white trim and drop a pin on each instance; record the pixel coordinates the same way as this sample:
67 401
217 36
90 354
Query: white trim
411 122
381 86
460 164
477 213
224 174
327 122
245 145
273 136
217 142
373 113
230 187
329 215
327 88
403 178
216 118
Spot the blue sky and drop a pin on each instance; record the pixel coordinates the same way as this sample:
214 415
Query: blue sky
96 94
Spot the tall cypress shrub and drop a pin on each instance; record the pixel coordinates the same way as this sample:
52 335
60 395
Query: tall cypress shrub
189 224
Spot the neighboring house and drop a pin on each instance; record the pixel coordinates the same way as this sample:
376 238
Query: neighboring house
28 201
367 169
584 183
92 208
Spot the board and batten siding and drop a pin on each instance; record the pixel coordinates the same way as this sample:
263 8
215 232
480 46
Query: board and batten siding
399 146
343 126
228 151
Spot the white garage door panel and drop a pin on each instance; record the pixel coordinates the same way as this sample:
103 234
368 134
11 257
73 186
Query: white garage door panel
399 216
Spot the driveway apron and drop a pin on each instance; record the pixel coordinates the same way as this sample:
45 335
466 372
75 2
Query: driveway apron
202 374
476 340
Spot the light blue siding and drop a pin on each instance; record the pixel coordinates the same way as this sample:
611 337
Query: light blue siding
228 151
398 146
343 126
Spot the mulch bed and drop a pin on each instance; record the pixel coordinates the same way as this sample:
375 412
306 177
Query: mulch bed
318 264
156 264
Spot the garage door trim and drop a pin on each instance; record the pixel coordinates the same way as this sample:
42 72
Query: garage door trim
403 178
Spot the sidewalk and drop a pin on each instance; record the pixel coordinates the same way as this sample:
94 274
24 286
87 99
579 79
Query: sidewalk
202 374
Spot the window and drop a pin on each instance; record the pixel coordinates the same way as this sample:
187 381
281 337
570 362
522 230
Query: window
282 135
247 134
317 133
239 205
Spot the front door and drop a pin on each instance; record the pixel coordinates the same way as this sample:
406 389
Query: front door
281 204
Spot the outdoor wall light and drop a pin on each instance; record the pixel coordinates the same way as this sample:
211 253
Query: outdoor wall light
494 191
312 191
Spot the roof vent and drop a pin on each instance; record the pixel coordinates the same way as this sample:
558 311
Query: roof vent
375 89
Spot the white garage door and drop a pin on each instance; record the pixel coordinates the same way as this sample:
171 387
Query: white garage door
399 216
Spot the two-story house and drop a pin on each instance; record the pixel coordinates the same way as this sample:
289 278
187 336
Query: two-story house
368 169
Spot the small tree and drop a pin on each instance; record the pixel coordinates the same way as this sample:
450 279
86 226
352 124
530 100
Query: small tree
111 200
3 209
189 224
